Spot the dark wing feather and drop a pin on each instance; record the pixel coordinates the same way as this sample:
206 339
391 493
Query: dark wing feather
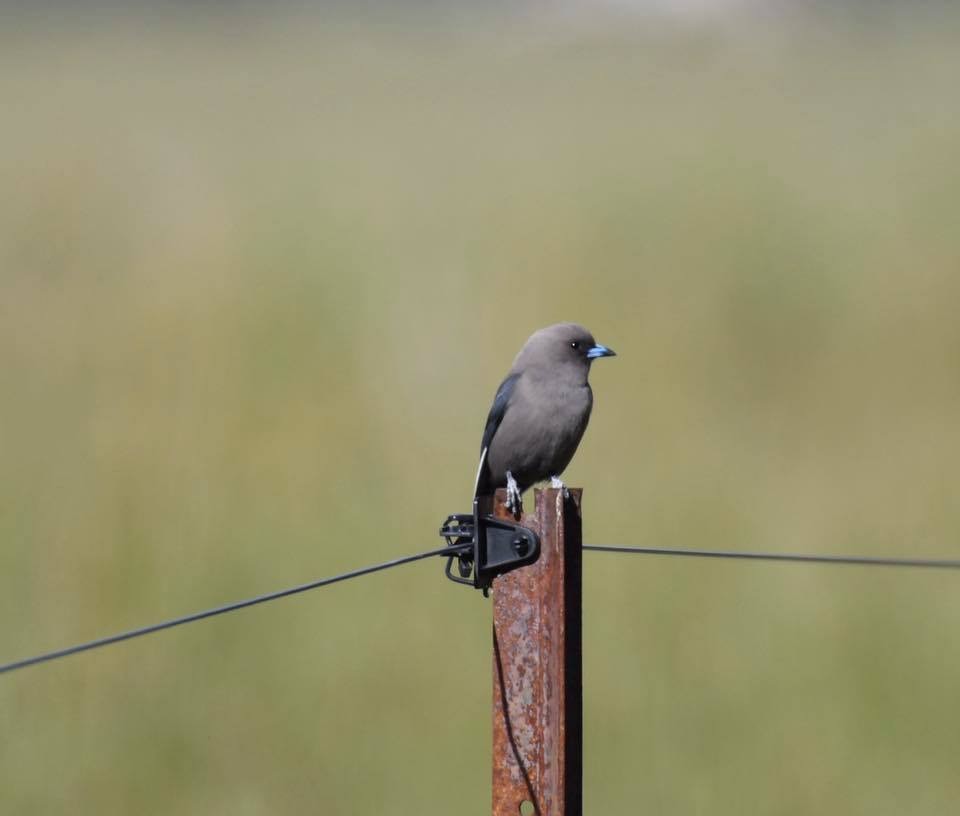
494 418
498 409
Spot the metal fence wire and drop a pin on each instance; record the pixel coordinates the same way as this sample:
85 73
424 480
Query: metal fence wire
850 560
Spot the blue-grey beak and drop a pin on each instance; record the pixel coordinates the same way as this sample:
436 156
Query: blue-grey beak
600 351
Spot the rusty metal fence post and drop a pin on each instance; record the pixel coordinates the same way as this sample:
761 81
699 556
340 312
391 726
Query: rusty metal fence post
537 674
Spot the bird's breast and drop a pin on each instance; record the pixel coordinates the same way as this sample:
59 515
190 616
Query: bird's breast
540 430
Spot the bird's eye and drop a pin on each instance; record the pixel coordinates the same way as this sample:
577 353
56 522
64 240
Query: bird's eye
574 344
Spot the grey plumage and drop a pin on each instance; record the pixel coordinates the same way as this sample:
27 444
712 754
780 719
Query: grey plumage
540 411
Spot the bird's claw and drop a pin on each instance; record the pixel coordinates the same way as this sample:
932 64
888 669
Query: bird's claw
558 485
514 503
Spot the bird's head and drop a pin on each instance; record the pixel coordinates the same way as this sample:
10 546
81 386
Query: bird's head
563 344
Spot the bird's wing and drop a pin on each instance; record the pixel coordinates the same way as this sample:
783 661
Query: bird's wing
494 418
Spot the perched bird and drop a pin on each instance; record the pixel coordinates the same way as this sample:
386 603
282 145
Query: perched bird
539 413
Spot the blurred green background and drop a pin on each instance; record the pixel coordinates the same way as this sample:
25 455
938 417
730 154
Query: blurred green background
261 273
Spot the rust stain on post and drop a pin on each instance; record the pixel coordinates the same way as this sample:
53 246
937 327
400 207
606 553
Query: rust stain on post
537 681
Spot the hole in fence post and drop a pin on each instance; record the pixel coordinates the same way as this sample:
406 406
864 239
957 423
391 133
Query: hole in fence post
527 808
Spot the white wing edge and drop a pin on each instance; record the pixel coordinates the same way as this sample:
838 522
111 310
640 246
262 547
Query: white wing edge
483 459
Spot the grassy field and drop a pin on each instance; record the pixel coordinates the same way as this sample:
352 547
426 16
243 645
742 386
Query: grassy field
260 279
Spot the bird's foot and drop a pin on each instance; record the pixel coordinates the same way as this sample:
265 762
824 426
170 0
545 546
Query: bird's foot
558 485
514 504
